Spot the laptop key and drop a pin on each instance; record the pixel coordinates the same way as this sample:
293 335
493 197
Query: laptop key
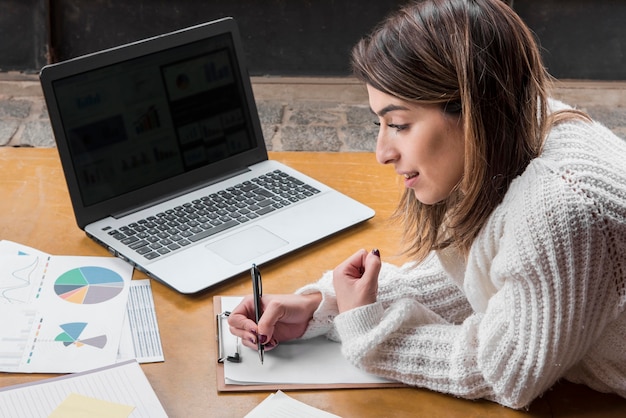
265 210
118 236
138 244
143 250
129 240
212 231
264 192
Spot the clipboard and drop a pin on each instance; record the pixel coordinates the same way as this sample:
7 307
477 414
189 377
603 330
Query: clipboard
224 356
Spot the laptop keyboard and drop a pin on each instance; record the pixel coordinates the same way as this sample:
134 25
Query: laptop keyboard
183 225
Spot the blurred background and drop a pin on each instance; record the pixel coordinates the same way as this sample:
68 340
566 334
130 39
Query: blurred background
580 39
297 53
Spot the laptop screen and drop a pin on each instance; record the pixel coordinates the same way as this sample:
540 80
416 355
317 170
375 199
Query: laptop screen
136 122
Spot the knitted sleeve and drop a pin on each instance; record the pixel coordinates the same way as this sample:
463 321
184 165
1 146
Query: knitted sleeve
544 278
426 283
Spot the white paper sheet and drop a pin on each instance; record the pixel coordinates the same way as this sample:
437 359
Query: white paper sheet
313 361
140 339
60 313
123 383
279 405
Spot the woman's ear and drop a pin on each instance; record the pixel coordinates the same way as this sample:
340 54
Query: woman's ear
452 107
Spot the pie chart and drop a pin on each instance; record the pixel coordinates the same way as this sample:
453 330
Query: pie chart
88 285
71 336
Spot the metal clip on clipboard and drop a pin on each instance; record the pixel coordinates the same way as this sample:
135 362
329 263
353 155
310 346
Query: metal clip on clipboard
221 356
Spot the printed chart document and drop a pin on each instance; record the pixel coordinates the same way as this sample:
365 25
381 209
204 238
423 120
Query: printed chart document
312 363
140 339
122 386
60 314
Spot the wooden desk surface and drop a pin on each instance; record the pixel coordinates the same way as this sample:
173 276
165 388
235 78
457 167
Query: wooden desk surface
35 211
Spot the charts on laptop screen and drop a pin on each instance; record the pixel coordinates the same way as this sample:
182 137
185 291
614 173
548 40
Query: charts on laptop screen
140 121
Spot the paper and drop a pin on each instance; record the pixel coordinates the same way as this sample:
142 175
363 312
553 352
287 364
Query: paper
279 405
140 335
122 383
79 406
13 248
311 361
60 313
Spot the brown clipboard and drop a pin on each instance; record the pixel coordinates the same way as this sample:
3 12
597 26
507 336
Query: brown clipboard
222 386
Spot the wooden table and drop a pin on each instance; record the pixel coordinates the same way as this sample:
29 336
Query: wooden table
35 211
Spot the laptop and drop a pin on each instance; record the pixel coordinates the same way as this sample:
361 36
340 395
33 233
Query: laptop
165 162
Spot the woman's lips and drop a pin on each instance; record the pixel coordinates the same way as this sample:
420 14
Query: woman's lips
410 179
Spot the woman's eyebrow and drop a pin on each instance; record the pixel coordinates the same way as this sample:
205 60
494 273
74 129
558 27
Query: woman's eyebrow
388 108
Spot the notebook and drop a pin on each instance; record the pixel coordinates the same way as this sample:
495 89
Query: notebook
165 162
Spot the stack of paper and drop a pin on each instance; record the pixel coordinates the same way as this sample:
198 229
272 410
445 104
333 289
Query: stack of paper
112 391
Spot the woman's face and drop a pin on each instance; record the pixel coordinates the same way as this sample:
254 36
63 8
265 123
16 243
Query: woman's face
424 144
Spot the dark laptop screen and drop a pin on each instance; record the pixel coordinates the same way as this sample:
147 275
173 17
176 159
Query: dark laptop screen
140 121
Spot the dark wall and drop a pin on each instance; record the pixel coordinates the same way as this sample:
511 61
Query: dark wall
23 34
581 39
280 37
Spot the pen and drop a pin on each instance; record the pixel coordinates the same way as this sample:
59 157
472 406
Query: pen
257 290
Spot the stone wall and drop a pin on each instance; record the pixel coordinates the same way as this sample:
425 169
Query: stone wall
297 114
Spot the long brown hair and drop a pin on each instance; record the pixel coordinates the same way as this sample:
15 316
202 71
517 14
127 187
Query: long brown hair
475 58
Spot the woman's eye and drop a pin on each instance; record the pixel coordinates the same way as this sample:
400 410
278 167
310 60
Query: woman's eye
395 126
398 128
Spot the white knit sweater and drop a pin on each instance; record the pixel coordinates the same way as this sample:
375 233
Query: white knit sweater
541 297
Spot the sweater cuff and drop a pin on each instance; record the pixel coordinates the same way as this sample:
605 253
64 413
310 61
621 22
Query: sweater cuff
359 321
324 315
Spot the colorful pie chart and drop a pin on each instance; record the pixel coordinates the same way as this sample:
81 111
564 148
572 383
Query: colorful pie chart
88 285
71 336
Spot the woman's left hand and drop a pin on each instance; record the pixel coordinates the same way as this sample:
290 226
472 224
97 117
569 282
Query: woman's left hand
356 280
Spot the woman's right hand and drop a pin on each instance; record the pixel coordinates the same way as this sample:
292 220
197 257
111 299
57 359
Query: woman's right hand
284 318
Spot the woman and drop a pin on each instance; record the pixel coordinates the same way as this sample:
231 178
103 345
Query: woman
514 212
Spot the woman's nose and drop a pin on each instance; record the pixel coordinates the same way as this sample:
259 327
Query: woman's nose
385 151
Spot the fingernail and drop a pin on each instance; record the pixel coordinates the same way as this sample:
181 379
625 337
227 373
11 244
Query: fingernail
262 339
271 344
376 252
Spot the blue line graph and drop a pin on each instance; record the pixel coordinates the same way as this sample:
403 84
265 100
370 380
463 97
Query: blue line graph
15 288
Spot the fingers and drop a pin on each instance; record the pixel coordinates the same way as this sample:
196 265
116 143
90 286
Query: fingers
372 265
356 280
285 317
242 326
361 263
353 266
272 313
240 323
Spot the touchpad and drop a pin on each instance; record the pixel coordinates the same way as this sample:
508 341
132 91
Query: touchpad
246 245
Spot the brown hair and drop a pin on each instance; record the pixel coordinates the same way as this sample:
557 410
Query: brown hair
478 59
